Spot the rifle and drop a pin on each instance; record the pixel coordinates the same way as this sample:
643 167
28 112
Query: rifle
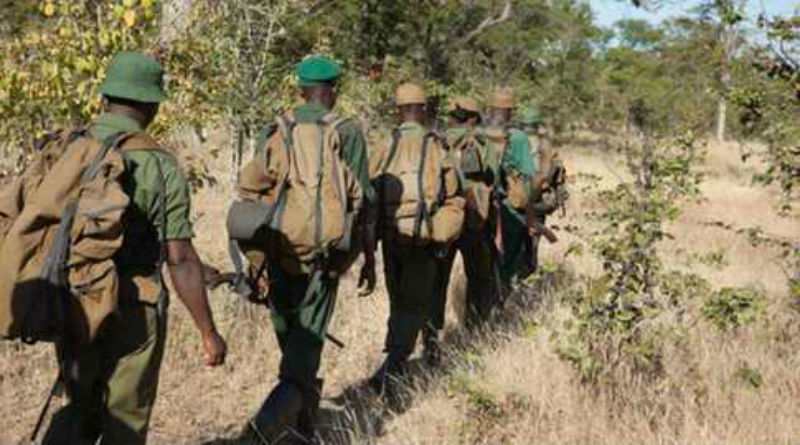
543 230
56 390
214 278
557 178
497 203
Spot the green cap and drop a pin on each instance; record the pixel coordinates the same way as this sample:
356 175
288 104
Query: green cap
134 76
318 70
531 116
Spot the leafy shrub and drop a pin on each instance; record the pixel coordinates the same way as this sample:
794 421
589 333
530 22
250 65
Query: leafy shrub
729 308
620 315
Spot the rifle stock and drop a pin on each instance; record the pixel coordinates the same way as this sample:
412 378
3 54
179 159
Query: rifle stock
544 231
214 278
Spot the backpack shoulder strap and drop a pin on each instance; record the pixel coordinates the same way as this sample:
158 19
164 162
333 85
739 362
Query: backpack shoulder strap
329 125
442 141
285 124
40 143
392 150
381 184
423 213
332 123
261 141
438 137
479 138
140 141
333 120
329 118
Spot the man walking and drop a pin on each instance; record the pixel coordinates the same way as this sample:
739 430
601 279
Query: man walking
112 400
470 152
512 184
313 167
420 215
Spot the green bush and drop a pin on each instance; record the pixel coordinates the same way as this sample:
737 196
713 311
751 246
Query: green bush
729 308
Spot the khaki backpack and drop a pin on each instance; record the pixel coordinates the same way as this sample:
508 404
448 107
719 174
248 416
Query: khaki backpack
550 181
60 226
476 166
299 199
412 190
515 185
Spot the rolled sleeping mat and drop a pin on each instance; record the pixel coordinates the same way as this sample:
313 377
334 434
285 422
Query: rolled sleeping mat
246 218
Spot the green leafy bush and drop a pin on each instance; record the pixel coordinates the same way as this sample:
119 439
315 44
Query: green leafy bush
729 308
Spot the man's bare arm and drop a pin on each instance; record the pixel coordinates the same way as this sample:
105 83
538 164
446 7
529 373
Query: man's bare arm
186 271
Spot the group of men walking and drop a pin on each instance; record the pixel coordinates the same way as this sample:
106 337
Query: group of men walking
313 199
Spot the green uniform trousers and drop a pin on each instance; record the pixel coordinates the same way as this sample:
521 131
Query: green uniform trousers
114 394
483 275
515 232
301 310
410 273
531 255
438 307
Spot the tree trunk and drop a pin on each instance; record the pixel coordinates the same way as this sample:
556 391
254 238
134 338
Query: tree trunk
730 40
722 113
725 80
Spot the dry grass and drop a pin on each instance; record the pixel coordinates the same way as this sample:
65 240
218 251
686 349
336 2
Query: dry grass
507 387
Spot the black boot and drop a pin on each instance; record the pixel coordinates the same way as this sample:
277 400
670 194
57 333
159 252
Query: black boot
431 347
308 415
276 421
386 380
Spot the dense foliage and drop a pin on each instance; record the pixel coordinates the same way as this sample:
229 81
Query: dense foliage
233 59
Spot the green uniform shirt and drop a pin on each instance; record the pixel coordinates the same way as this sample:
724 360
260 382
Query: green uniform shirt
518 153
533 141
142 183
517 159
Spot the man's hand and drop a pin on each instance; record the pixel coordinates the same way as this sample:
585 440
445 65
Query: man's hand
215 349
366 280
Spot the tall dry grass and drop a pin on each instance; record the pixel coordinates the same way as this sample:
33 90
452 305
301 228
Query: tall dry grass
505 386
518 391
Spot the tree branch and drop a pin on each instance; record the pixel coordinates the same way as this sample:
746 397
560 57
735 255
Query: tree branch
488 23
319 7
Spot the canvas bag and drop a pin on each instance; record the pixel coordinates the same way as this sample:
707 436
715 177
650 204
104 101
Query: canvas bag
411 188
300 197
474 158
550 179
516 195
60 226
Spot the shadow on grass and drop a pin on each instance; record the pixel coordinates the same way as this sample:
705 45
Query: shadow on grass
358 415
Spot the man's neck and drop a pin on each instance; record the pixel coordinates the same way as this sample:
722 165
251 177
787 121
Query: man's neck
317 103
128 114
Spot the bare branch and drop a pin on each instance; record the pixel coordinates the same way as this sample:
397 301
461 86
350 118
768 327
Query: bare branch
488 23
319 7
